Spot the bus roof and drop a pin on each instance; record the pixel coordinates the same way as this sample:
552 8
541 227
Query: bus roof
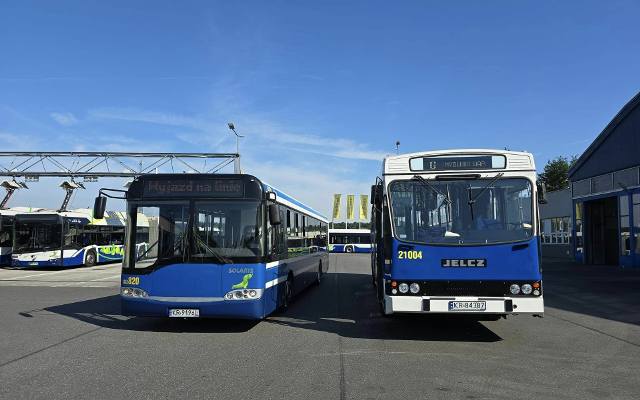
285 199
85 215
281 197
515 161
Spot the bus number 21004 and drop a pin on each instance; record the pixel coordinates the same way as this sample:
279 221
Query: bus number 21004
410 254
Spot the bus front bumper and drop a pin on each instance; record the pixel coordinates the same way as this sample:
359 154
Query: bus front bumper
441 305
209 308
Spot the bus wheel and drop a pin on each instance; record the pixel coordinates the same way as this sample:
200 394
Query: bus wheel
288 291
319 275
90 258
348 249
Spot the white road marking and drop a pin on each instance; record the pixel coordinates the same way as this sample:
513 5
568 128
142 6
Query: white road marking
105 278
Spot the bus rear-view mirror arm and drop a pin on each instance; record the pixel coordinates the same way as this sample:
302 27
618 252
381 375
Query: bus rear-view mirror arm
542 193
100 203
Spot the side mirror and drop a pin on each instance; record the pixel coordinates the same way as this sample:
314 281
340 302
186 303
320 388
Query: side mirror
99 207
542 193
274 214
376 194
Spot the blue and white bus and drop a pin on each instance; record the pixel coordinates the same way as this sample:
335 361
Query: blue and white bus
457 232
7 217
226 245
47 238
349 240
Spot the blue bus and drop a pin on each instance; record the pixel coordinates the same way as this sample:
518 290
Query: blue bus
223 245
457 232
349 240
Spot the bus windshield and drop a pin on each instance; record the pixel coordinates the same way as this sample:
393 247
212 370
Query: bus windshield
208 231
6 231
34 236
467 211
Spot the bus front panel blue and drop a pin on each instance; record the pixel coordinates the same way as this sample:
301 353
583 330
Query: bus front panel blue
510 261
199 286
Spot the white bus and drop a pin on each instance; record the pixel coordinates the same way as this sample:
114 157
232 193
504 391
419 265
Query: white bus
47 238
6 232
456 231
349 240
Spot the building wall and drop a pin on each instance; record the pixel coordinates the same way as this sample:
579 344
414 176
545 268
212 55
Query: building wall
609 169
555 221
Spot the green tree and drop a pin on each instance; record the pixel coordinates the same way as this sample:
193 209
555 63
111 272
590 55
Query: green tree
556 173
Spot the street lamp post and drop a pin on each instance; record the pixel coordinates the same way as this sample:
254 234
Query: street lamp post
233 129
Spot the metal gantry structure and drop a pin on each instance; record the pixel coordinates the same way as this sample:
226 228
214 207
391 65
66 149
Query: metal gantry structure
89 166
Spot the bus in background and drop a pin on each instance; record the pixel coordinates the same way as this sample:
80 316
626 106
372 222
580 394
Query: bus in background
349 240
457 232
226 245
47 238
6 232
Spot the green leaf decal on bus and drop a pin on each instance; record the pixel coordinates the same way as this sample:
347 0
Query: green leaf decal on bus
244 283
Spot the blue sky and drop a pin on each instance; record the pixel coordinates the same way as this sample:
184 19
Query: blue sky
321 89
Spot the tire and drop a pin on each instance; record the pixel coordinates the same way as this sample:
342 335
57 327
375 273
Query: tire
288 292
348 249
319 275
90 258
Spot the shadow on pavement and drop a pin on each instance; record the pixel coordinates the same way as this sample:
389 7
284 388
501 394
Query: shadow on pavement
602 291
345 304
105 312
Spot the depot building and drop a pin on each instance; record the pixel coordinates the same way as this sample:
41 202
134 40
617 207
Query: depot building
605 193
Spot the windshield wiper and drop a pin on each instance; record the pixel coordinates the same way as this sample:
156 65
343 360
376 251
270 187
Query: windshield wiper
472 201
210 249
426 184
141 256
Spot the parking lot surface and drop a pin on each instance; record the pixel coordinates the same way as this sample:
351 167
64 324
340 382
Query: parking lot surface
63 337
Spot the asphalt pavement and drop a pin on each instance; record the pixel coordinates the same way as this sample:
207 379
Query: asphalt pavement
62 337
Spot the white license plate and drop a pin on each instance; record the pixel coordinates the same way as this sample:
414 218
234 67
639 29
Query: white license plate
184 313
467 305
33 263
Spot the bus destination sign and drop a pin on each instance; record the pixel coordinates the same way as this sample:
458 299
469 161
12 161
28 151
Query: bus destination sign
196 188
457 163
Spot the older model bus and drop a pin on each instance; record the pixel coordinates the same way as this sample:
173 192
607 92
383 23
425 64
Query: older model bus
349 240
226 245
47 238
457 232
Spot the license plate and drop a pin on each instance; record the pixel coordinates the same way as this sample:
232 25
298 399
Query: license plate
467 305
184 313
33 263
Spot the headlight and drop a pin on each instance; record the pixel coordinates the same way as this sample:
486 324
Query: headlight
526 288
536 292
133 292
403 287
414 288
244 294
514 289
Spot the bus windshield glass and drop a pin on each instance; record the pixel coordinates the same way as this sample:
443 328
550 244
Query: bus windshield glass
6 231
34 236
459 212
208 231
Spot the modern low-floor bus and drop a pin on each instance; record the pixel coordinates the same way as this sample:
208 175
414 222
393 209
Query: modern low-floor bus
349 240
457 232
6 232
47 238
226 245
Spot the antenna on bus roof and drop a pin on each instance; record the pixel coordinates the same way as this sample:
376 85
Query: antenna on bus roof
397 146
